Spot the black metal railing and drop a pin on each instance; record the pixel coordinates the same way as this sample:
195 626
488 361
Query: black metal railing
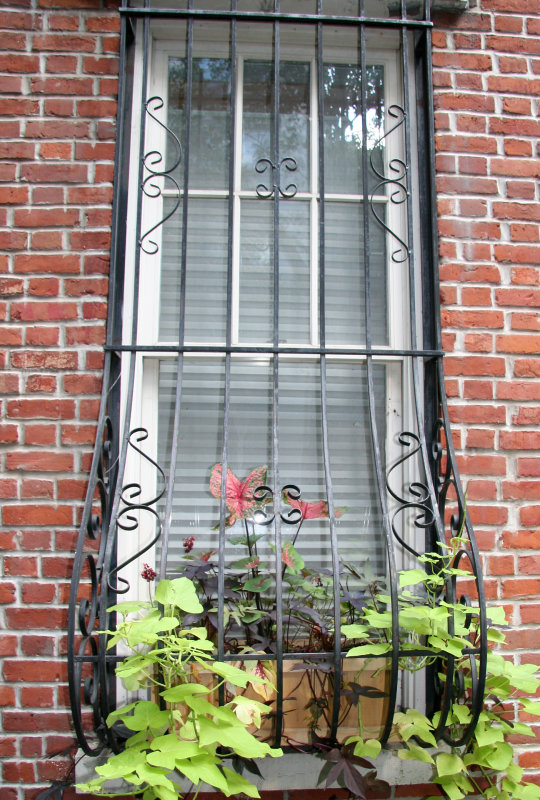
433 495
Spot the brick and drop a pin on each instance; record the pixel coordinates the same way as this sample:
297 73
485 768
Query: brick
530 515
520 587
477 414
472 319
479 342
527 415
474 365
46 336
54 173
518 390
43 311
34 722
481 439
41 383
518 343
522 190
517 297
58 42
39 461
41 409
482 465
528 467
519 440
40 434
62 86
46 217
34 489
518 147
37 697
54 264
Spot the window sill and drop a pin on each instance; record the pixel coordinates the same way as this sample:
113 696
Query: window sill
293 771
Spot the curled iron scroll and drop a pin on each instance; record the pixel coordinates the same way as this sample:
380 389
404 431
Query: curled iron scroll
265 192
396 181
128 517
156 174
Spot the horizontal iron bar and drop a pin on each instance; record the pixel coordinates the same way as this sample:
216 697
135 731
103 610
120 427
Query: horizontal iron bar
270 349
264 16
467 651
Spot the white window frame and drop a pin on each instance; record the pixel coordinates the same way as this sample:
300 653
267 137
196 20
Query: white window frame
399 415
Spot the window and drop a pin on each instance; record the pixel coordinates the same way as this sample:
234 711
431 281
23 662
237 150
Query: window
275 315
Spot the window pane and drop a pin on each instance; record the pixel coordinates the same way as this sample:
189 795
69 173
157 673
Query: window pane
206 276
194 511
301 462
343 127
360 528
345 278
257 138
257 272
210 119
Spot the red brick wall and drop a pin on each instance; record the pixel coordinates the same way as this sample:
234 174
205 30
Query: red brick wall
487 79
58 79
58 84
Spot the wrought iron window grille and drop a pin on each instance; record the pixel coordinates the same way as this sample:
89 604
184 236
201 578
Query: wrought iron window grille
116 504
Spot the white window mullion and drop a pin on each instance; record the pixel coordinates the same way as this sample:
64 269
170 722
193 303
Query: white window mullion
237 208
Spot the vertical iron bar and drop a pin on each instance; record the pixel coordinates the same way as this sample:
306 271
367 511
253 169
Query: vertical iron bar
109 555
416 362
275 394
381 483
226 399
182 307
324 406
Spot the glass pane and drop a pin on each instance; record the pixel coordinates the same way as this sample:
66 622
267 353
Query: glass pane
210 119
294 268
257 131
343 127
345 278
257 272
206 275
360 531
195 511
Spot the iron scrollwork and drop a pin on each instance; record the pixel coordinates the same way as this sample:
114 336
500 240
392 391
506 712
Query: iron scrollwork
395 181
265 192
451 683
156 174
96 583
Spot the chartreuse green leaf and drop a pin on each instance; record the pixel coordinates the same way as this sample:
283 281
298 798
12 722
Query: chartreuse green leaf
416 753
461 713
530 706
375 649
237 784
412 577
119 765
179 592
238 677
488 735
370 748
529 791
413 723
236 737
497 615
354 631
448 764
178 694
203 769
146 714
119 713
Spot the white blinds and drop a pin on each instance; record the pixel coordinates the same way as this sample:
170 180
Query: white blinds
196 512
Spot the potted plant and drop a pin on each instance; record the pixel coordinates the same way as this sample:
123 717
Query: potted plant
175 734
